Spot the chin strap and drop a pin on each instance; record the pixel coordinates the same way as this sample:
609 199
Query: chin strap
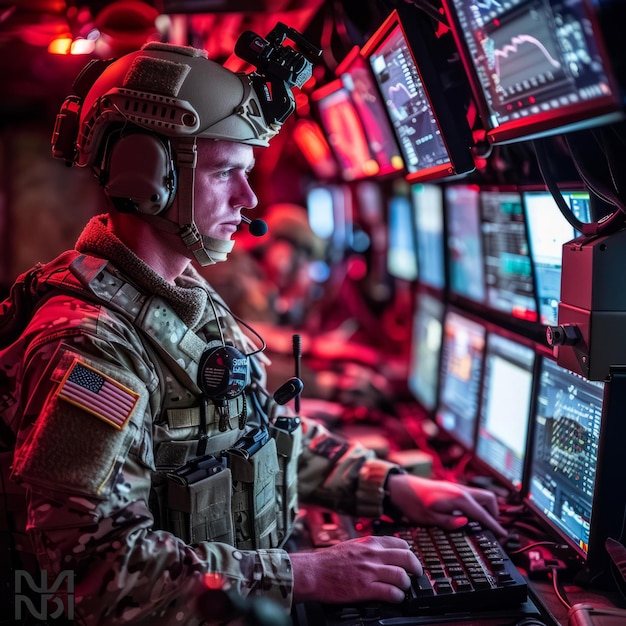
206 250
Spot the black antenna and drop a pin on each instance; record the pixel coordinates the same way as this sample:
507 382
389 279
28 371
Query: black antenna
296 341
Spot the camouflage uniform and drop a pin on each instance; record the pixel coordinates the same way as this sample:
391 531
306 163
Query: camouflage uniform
81 485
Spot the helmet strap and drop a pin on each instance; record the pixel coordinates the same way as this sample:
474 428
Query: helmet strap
206 250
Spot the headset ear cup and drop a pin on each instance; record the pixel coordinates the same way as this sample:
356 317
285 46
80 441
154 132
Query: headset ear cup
138 173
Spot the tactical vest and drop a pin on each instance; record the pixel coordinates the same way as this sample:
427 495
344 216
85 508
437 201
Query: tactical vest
219 476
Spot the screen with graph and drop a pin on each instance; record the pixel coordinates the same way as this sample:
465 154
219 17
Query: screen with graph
536 66
434 143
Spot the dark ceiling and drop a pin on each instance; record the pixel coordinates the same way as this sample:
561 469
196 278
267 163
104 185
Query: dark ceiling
35 82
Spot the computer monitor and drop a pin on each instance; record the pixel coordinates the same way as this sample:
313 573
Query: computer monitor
401 245
329 209
460 376
465 249
435 141
358 80
535 68
510 285
344 130
309 137
566 452
426 340
428 207
548 230
503 423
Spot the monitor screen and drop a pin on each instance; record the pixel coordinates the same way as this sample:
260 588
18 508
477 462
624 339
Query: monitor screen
329 209
505 407
310 138
565 451
320 209
465 248
426 342
428 206
510 285
401 248
535 67
461 369
344 131
548 230
358 80
434 143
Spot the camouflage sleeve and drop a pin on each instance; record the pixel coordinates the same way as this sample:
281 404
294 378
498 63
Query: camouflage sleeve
85 462
341 474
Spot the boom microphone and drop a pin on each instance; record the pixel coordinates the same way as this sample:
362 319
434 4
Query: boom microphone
257 227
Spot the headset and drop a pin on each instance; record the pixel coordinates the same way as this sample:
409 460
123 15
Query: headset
138 173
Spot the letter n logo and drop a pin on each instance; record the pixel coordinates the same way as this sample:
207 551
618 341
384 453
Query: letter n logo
47 595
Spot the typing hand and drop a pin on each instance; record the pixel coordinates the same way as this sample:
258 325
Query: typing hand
368 568
442 503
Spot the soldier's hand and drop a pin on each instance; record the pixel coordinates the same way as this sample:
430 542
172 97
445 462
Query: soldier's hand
368 568
443 503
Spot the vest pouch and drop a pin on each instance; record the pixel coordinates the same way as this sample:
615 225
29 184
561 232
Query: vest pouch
200 509
254 496
287 433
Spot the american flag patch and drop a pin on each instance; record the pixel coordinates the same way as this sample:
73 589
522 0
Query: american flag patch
98 394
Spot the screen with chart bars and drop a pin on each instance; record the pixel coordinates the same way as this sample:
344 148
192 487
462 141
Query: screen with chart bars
461 369
509 277
535 67
567 426
548 230
505 407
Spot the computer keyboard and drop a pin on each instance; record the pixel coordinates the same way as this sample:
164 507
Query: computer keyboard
463 569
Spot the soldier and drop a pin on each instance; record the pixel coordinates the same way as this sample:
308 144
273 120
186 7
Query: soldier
140 449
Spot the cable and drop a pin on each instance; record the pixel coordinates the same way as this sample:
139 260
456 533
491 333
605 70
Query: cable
608 223
560 594
535 544
238 319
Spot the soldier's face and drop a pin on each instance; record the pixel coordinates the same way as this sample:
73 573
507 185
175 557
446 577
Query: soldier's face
221 186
